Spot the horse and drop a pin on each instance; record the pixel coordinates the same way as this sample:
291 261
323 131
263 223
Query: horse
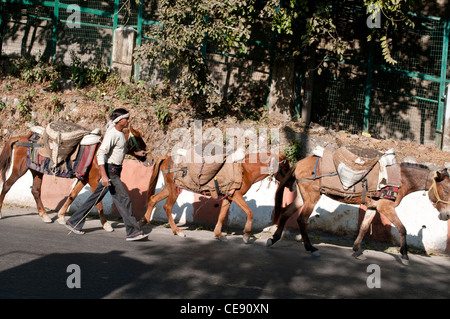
252 173
13 165
414 177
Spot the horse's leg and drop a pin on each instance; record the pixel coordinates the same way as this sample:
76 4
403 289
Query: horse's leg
36 191
302 221
154 199
285 214
239 200
368 217
387 208
223 212
172 198
16 173
73 194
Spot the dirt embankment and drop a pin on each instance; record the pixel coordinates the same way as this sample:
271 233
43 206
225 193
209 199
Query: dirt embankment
25 104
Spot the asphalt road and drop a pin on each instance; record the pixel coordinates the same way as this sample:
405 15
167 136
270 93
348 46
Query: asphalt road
36 259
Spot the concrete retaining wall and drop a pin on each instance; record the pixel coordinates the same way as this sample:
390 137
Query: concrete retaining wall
425 230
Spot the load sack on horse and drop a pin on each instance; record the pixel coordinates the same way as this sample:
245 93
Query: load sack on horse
352 171
62 149
212 174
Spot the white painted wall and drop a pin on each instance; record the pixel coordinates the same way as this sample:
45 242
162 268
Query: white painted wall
424 229
20 194
259 198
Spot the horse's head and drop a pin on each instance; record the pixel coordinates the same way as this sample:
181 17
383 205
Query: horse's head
283 167
135 143
439 193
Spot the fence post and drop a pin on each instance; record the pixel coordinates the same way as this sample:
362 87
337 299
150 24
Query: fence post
139 37
115 22
368 91
442 83
55 30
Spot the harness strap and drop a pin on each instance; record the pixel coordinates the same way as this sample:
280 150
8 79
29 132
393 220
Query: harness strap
435 193
173 170
304 180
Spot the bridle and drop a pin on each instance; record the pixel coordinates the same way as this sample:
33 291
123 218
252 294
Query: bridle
436 194
273 173
134 142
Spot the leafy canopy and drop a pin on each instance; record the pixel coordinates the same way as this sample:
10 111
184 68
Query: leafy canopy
226 25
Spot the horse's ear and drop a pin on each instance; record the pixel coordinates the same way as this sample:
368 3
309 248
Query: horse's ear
134 132
439 176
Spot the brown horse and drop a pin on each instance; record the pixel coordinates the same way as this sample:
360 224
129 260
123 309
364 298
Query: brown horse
252 173
414 177
13 166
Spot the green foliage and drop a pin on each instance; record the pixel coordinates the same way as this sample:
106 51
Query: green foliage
293 151
24 105
31 70
186 26
82 74
163 115
180 43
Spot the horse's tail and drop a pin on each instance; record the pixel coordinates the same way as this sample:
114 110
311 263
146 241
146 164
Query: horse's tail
155 175
287 181
5 156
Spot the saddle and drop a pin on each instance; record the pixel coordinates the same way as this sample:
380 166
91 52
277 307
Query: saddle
55 150
60 139
351 171
211 175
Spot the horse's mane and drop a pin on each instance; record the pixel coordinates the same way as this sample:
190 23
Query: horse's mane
415 165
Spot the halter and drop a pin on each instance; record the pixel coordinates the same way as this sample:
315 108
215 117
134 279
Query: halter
274 173
435 193
135 143
133 140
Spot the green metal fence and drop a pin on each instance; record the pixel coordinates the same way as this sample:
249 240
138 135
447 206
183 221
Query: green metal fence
402 102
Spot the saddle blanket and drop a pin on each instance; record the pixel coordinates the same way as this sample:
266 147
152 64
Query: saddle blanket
76 165
332 185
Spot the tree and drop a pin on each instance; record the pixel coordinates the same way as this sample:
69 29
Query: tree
227 24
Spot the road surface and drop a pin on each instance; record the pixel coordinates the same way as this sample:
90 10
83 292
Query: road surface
40 260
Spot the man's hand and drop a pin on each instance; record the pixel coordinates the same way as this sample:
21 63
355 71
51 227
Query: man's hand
105 181
104 177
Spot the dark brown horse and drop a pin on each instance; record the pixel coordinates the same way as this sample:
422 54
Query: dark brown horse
13 166
414 177
252 173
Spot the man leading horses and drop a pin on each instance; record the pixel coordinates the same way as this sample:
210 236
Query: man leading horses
110 157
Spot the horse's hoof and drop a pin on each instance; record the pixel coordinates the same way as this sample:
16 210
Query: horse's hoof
246 239
270 242
359 256
222 238
46 219
108 227
315 253
404 261
181 234
61 220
